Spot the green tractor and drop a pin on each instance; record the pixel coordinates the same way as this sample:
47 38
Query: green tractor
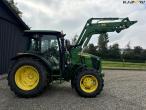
51 58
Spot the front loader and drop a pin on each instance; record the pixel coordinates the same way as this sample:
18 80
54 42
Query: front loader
51 58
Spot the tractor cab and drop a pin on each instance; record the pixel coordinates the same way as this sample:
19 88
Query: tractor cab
42 41
46 44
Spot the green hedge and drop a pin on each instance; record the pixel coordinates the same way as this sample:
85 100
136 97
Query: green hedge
126 60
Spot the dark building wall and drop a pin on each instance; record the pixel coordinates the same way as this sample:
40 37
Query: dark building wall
11 42
11 38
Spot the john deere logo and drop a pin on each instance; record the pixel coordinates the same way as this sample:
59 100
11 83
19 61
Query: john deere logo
134 2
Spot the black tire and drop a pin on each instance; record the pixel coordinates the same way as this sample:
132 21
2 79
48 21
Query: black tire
42 78
88 72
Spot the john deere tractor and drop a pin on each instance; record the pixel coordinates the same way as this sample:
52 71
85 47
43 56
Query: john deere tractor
50 58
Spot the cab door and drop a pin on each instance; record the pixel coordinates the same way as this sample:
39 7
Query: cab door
50 50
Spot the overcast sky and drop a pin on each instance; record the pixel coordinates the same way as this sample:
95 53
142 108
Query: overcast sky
71 16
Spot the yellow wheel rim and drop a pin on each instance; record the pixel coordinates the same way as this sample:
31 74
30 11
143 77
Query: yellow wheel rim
88 83
27 77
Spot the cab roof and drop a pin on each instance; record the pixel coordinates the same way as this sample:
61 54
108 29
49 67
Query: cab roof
30 32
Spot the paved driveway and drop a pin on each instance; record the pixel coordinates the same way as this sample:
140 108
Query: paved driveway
124 90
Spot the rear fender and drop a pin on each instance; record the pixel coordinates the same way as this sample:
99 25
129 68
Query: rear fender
45 62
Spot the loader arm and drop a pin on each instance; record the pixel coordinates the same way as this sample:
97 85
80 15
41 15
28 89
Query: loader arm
102 25
96 26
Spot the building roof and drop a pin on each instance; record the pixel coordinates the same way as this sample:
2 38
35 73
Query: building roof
15 14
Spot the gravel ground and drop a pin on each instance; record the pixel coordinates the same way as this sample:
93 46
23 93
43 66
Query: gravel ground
124 90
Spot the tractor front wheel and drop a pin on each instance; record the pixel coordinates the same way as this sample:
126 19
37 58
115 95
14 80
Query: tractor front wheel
88 83
27 78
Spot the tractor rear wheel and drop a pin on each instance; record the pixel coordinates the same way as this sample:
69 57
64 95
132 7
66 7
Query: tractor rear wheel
27 78
88 83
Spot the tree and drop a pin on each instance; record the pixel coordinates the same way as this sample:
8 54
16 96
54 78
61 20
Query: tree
91 49
13 5
136 54
114 52
128 47
138 50
128 52
144 55
102 44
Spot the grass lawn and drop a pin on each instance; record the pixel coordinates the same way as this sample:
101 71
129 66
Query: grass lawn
123 65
